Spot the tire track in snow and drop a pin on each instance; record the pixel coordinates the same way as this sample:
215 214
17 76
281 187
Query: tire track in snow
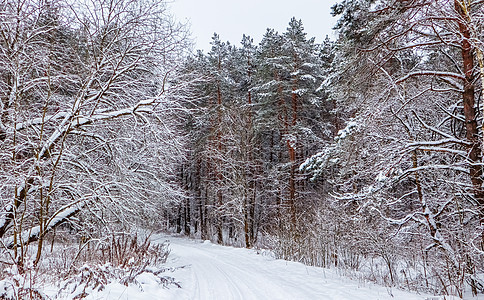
218 276
216 272
214 278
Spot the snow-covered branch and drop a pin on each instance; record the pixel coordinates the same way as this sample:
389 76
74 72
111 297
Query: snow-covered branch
430 73
33 234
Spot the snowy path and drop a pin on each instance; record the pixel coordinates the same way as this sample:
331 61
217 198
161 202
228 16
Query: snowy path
216 272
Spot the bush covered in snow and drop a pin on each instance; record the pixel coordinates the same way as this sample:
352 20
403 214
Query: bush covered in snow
76 272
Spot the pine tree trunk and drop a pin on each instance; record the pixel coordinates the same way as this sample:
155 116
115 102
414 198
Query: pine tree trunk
246 224
219 222
179 220
185 175
291 144
292 185
203 211
187 228
472 134
252 230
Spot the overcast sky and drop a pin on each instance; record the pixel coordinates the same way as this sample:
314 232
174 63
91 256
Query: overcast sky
232 18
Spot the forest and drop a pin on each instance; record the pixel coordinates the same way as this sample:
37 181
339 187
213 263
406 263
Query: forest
363 154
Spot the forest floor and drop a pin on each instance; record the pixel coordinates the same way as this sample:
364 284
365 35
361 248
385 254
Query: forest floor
208 271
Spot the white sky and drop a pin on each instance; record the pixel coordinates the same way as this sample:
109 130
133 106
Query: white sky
232 18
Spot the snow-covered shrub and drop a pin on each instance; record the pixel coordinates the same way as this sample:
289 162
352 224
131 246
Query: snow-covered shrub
126 250
20 284
120 258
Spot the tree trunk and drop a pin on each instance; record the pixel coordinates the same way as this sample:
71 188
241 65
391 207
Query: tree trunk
203 215
219 177
291 145
219 220
472 134
252 230
187 229
179 219
292 185
246 224
9 215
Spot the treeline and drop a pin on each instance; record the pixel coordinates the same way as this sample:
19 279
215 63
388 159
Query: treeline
364 153
260 111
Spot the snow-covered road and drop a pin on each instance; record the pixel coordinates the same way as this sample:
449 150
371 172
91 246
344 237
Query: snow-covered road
217 272
207 271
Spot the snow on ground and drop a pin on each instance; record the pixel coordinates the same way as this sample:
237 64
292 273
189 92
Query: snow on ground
219 272
216 272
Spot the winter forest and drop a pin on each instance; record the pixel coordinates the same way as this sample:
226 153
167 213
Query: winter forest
362 154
